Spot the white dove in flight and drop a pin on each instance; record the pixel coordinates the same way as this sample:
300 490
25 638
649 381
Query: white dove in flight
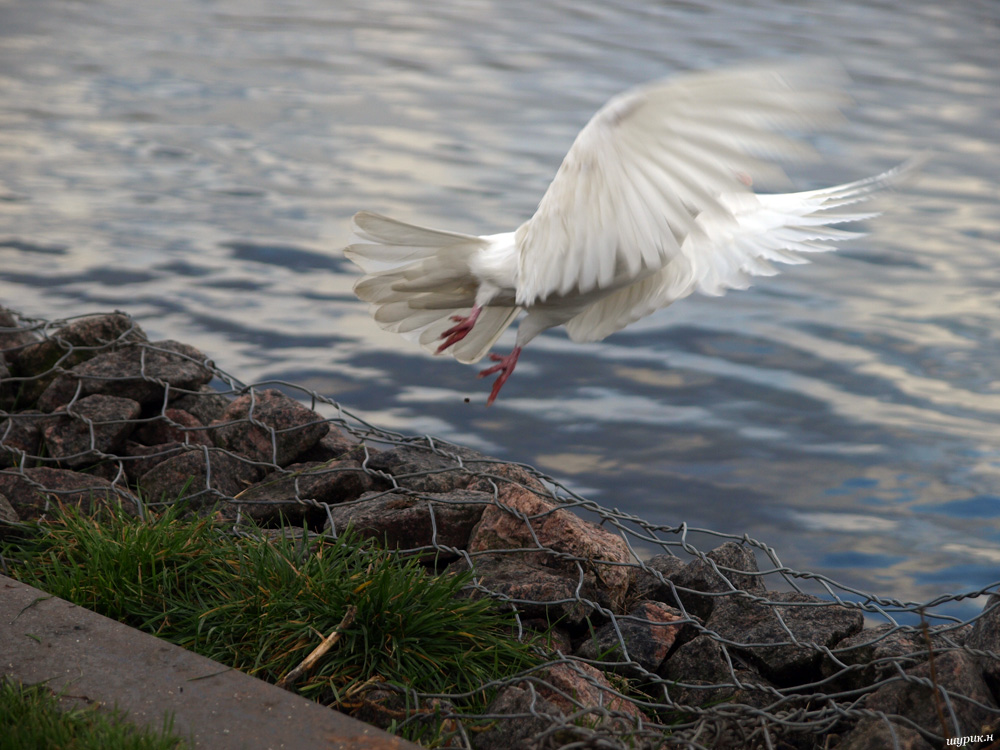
652 202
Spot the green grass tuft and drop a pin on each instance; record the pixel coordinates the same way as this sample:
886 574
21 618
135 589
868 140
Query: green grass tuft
31 717
262 606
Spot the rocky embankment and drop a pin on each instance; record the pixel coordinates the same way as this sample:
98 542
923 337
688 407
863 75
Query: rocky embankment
690 652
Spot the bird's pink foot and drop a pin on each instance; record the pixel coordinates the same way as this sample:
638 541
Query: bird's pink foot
505 366
458 332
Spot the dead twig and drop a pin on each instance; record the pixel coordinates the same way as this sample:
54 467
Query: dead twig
309 663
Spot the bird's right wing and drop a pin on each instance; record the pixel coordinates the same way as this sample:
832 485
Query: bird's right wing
653 159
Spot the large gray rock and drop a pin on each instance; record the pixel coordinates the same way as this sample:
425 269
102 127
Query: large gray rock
20 437
705 673
268 426
536 707
172 426
649 631
653 580
205 403
878 653
985 636
545 534
728 568
337 445
8 388
202 478
92 427
413 522
295 492
794 658
139 459
15 336
139 371
539 593
70 345
972 708
34 492
523 714
422 470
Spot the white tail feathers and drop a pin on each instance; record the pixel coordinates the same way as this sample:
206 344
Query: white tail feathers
416 279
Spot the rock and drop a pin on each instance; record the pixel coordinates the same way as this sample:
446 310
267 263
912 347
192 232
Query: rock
985 636
338 446
575 686
652 581
15 336
422 470
138 459
728 567
954 671
407 522
810 619
7 514
553 536
34 492
876 654
523 715
649 632
879 734
20 436
187 477
538 592
293 492
491 473
70 345
551 638
543 705
139 371
89 430
268 426
172 426
703 676
206 404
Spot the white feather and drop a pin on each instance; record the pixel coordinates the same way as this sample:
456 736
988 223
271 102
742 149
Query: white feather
418 278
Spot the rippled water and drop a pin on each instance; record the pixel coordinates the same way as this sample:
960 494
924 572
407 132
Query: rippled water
196 163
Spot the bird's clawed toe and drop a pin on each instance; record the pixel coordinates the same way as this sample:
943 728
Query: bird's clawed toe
458 332
505 366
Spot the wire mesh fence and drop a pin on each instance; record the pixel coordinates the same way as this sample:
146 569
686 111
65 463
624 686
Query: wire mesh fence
655 635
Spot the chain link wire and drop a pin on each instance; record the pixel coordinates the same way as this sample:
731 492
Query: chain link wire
796 683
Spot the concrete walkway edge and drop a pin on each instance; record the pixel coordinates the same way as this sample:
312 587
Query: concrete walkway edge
95 659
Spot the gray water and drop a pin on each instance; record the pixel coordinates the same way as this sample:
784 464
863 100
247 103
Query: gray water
196 163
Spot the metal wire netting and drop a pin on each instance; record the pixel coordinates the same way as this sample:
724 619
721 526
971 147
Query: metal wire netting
664 635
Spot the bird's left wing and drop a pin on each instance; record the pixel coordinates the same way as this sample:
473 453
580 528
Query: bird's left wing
653 159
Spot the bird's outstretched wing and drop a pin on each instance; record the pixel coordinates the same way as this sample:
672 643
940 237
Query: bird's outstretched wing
653 159
740 238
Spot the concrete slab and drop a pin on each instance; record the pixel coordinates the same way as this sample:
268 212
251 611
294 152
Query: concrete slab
44 638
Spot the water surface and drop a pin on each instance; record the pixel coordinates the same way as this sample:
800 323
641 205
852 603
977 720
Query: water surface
196 163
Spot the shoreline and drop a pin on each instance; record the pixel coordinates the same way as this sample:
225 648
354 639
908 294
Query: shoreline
672 649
